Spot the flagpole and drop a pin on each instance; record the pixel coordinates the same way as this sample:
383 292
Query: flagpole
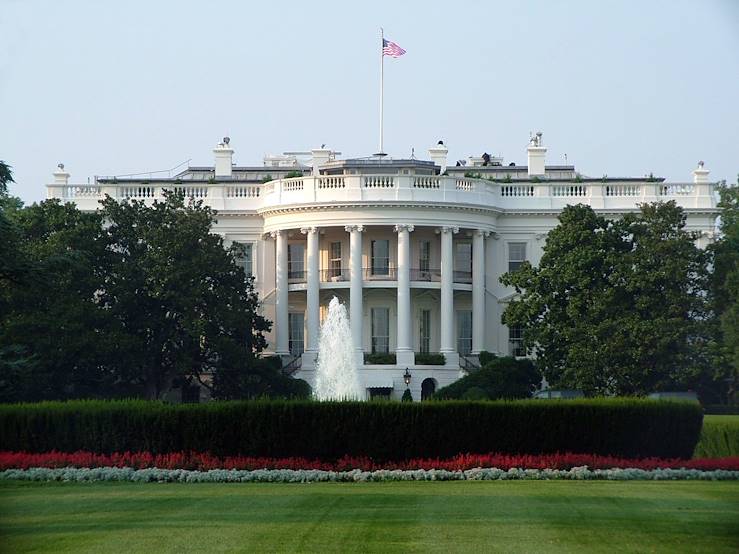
382 88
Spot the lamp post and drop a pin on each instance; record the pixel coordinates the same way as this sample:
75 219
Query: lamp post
407 397
407 377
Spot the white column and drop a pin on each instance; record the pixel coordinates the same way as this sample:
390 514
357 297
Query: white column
281 311
447 295
356 276
478 291
404 348
312 308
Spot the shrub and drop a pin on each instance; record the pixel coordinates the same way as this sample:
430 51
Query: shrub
475 393
379 430
379 358
429 358
407 396
719 437
486 357
498 378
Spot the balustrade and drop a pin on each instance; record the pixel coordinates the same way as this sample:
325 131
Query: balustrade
246 191
330 182
420 188
623 190
379 181
569 190
426 182
516 190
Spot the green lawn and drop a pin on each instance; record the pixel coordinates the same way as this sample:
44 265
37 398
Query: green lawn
519 516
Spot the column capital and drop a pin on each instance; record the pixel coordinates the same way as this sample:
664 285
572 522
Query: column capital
404 227
453 229
306 230
540 236
275 234
481 233
350 228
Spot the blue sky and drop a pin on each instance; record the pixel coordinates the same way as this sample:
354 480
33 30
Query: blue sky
622 88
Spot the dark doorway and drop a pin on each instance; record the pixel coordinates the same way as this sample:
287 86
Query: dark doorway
428 388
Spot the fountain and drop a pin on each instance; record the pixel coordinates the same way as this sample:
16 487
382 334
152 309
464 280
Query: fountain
336 368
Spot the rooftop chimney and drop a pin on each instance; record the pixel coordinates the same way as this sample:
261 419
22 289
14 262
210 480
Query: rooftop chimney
438 154
537 152
320 156
700 175
224 158
61 177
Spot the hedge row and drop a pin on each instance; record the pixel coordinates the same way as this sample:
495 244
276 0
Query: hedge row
719 437
380 430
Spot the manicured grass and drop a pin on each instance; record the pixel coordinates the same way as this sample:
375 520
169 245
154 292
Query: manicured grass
522 516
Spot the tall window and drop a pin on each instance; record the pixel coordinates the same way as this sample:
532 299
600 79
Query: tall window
380 330
295 261
380 257
515 341
334 268
462 262
424 331
296 329
516 255
463 257
246 260
424 255
464 332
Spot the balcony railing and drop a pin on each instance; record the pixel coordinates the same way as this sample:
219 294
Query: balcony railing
296 276
428 275
335 275
462 276
380 274
545 194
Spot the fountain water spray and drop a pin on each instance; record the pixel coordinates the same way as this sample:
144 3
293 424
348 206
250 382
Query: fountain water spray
336 368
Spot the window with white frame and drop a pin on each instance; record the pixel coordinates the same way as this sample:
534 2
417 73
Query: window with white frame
380 330
464 332
245 258
424 331
515 341
296 333
380 257
424 255
516 255
334 262
295 261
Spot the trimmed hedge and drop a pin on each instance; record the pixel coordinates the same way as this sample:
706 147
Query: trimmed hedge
628 428
430 358
719 437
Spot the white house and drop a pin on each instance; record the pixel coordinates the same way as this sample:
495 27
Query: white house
415 248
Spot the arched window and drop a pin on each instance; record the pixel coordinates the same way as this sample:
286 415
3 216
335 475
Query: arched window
428 388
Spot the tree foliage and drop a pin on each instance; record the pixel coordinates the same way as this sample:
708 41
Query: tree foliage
725 291
616 306
498 378
127 301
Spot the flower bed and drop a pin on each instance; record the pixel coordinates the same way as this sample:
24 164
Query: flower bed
157 475
200 461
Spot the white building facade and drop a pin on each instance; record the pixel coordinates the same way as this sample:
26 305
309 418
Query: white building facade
414 248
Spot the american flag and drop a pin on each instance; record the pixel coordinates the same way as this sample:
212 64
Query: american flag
389 48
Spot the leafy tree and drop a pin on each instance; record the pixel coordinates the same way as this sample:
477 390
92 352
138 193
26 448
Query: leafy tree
6 177
179 292
615 307
504 377
52 317
725 295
